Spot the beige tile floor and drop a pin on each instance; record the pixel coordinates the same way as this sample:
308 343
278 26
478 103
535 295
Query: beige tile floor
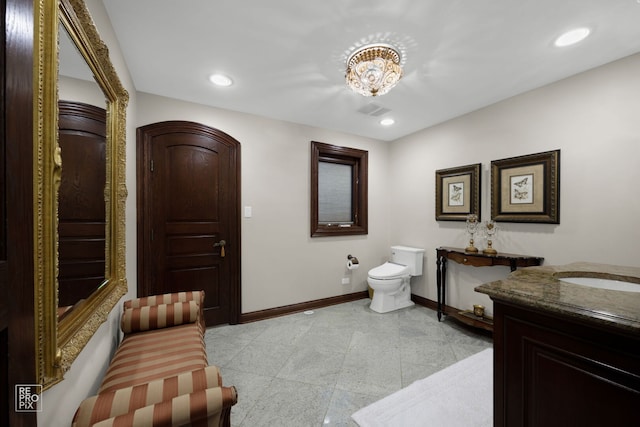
317 369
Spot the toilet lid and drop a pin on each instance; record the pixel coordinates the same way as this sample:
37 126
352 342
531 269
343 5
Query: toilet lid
389 270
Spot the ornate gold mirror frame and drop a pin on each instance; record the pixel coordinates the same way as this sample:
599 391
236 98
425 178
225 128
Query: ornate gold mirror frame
59 343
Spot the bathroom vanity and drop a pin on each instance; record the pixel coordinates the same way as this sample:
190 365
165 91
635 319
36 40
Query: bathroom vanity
566 353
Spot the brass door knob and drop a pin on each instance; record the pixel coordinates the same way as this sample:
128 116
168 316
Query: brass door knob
220 244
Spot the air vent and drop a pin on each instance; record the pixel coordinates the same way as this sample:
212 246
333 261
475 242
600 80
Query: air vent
373 109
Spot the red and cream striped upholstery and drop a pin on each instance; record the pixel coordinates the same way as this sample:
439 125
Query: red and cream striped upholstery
196 296
200 408
150 355
159 316
127 399
159 374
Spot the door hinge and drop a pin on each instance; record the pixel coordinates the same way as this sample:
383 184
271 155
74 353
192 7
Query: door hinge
152 235
151 165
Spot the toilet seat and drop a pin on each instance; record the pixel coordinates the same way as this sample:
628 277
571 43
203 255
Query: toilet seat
389 270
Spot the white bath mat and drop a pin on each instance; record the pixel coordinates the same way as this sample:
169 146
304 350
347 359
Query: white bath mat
459 395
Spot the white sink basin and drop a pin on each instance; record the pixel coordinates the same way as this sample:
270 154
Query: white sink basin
594 282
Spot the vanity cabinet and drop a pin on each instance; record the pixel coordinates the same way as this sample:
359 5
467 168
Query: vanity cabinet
552 369
565 354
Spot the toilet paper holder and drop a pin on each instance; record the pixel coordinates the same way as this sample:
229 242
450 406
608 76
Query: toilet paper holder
352 262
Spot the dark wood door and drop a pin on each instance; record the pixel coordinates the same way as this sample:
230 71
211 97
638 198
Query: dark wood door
81 206
188 215
17 341
4 292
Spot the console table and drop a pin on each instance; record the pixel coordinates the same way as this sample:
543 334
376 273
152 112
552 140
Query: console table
475 259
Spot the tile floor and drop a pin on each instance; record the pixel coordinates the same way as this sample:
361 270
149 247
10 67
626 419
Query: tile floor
317 369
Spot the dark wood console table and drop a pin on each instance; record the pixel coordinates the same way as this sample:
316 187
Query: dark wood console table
475 259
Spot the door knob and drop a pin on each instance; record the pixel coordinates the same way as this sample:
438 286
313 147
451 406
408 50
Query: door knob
220 244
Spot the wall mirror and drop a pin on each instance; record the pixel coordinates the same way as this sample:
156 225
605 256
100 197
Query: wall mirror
60 340
81 202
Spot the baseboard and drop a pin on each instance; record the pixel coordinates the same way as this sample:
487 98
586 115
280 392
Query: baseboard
303 306
425 302
433 305
269 313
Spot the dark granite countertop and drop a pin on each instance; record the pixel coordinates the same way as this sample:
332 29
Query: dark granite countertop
542 288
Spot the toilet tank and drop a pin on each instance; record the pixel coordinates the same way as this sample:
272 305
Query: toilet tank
411 257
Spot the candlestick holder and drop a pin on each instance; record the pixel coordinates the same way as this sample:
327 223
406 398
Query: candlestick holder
490 230
472 228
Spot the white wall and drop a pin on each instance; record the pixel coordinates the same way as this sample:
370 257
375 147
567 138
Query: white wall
88 92
593 118
281 264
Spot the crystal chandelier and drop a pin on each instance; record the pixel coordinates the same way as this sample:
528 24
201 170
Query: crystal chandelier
373 69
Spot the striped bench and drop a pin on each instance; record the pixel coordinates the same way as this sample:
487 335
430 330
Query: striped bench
159 375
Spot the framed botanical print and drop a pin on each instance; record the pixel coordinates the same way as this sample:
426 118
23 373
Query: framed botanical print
458 192
526 188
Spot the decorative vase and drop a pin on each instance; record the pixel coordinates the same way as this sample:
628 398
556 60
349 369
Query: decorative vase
478 310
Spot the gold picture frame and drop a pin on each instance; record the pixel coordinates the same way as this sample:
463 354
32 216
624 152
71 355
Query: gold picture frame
526 188
458 192
59 341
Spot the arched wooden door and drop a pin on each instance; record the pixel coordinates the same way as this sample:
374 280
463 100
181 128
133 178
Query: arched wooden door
188 190
81 207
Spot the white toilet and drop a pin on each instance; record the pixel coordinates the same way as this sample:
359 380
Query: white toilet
391 281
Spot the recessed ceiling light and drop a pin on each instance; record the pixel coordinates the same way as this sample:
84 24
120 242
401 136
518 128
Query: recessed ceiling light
220 80
572 37
387 122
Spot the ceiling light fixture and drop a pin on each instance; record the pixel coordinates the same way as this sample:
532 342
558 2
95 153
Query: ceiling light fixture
572 37
373 69
387 122
220 80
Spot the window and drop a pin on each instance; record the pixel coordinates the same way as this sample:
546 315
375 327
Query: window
338 190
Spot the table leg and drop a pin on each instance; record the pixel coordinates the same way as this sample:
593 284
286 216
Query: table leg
439 285
441 268
444 284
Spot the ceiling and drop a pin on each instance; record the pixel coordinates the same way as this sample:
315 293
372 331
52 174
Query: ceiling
287 57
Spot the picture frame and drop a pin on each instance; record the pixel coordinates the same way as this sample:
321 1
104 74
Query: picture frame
458 192
526 188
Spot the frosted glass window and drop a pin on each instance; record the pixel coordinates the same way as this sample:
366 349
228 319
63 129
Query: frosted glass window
335 193
338 190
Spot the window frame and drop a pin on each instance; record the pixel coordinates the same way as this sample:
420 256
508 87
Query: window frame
358 159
